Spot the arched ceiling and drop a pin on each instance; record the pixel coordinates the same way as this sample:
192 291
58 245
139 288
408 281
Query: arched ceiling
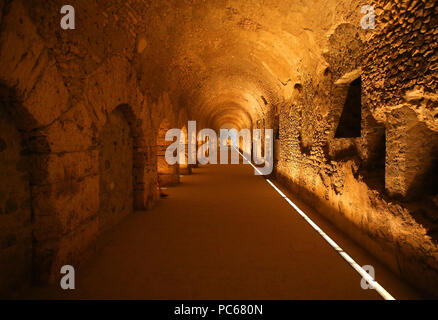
224 61
222 57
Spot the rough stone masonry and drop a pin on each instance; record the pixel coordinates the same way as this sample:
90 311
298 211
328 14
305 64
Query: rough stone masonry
83 112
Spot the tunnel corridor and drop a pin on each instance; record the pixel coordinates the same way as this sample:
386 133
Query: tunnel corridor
345 90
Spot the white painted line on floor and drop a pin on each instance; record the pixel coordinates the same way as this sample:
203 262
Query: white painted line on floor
385 294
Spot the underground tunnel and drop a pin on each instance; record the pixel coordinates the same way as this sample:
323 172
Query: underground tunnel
347 96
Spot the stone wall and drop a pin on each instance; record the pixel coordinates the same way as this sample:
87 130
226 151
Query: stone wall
61 116
379 188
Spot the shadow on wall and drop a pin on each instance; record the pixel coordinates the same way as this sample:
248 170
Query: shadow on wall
30 230
359 137
425 182
421 175
351 118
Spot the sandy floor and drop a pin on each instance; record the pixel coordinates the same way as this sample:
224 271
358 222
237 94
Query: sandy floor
223 233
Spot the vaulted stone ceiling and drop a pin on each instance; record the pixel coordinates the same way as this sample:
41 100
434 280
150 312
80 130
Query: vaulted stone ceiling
222 60
229 58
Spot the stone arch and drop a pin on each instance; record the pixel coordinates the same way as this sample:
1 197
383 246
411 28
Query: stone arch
167 174
122 159
125 94
141 157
